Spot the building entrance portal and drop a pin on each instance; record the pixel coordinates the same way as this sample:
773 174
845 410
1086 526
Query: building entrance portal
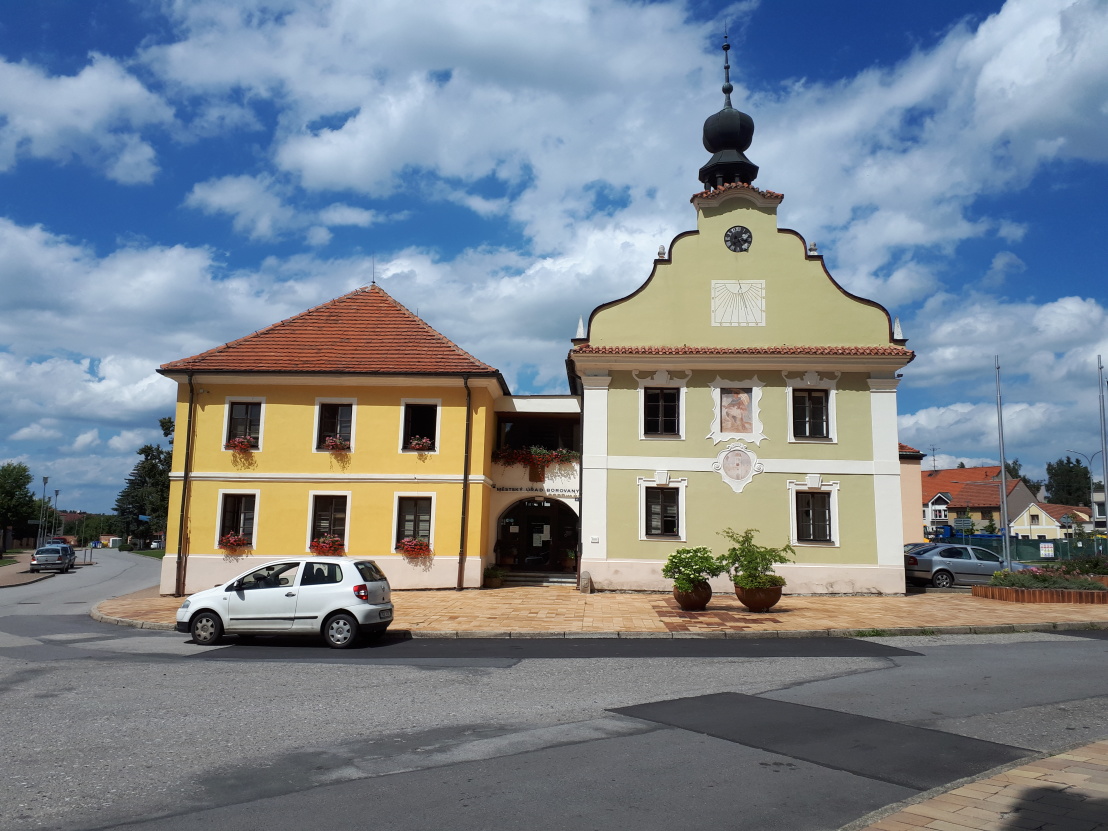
537 535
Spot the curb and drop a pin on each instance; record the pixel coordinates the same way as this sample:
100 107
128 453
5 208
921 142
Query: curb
27 582
874 817
1002 629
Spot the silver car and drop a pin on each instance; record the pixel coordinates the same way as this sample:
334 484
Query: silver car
339 598
944 565
55 557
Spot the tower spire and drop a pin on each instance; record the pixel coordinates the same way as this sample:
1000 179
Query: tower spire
727 135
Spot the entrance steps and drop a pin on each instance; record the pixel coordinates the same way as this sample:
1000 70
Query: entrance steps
539 578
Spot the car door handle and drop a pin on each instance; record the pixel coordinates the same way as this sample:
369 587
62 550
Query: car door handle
290 594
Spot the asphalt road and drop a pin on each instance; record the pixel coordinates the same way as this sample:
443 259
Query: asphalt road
109 727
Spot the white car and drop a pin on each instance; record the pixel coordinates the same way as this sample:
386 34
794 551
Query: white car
339 598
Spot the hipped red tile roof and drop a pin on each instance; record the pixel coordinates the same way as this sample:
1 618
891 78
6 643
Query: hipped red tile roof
365 331
969 487
864 351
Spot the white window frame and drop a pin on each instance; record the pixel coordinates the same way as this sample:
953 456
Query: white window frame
257 494
311 515
353 402
663 479
715 431
404 402
662 378
242 399
396 497
813 483
812 380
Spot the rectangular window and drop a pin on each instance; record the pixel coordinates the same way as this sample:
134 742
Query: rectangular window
661 512
810 414
335 421
661 407
1034 519
413 518
237 515
813 516
420 426
245 421
329 516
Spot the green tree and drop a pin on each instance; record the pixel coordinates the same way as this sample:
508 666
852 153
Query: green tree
1015 471
17 502
1067 482
146 492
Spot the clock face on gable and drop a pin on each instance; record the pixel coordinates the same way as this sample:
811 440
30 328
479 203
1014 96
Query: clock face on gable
738 238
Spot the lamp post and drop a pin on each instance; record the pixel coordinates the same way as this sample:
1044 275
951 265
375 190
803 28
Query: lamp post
57 515
1092 504
39 539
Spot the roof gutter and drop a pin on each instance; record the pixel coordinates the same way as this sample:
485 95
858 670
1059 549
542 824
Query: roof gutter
465 485
182 536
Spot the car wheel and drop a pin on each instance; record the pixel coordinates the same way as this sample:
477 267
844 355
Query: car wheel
340 631
206 628
942 579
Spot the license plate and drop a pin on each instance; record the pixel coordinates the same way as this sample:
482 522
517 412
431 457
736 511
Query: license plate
386 614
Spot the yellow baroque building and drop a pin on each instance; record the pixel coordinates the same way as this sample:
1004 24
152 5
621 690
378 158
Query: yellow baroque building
740 386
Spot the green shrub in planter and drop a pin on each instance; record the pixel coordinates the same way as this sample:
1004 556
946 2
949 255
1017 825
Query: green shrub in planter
689 567
126 546
1036 579
494 572
751 565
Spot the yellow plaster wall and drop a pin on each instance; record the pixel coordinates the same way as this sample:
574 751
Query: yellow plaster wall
803 306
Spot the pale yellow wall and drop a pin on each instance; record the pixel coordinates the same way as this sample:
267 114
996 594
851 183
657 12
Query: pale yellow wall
803 306
852 407
763 504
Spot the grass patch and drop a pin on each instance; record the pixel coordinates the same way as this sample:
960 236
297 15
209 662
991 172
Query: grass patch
871 633
928 632
6 561
154 553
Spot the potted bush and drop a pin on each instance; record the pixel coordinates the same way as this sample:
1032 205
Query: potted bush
414 548
241 444
336 444
751 568
234 543
690 570
494 577
328 545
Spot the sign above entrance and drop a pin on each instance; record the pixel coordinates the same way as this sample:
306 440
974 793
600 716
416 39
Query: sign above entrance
563 493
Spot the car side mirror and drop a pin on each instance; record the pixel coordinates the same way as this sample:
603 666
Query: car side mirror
284 581
234 586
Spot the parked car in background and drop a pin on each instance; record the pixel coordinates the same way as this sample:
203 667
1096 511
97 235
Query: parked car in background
944 565
338 598
54 557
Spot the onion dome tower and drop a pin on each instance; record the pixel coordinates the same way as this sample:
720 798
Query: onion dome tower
726 135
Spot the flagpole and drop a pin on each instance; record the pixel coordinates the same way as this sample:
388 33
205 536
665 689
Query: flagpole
1103 459
1003 473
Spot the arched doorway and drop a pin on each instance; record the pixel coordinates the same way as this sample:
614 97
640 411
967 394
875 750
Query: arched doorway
538 534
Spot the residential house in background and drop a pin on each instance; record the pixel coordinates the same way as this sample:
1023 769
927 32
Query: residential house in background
969 493
1046 521
911 491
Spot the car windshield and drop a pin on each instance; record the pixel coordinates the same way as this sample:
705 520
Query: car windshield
369 571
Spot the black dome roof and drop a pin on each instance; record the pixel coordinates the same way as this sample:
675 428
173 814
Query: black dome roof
727 134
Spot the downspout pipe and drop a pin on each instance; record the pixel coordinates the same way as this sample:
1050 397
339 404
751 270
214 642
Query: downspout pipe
182 536
465 485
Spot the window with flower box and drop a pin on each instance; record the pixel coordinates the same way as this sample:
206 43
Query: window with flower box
334 431
420 428
236 517
329 516
413 518
244 423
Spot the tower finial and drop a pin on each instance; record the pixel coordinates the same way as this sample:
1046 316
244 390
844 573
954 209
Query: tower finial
727 88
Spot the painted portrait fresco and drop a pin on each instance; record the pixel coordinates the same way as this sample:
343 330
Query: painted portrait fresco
734 416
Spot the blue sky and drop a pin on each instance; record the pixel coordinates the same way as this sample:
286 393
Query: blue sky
174 175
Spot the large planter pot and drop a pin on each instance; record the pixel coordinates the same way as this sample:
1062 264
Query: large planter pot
759 600
494 582
536 473
1014 595
694 601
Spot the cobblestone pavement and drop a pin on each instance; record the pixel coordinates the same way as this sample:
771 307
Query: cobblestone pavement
557 609
1067 792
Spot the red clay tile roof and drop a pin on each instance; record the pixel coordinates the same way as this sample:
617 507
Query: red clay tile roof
864 351
722 189
984 495
1058 511
950 480
365 331
906 449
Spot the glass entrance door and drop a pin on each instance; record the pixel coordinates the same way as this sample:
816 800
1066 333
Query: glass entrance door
537 535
